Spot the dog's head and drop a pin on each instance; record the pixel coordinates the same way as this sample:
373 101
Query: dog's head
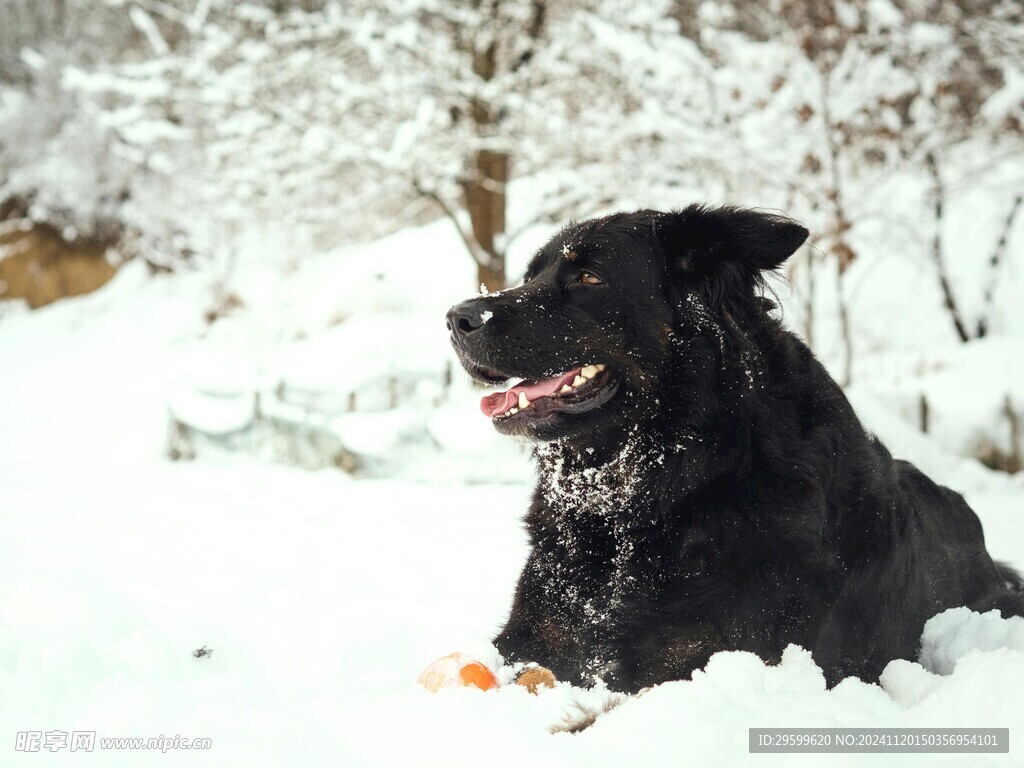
621 317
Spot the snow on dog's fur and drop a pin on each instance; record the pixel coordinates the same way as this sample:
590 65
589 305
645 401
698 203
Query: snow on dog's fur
704 485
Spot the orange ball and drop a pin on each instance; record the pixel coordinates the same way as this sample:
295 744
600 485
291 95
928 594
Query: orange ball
534 678
457 670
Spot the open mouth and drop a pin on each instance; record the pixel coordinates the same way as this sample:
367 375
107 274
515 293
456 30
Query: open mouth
575 391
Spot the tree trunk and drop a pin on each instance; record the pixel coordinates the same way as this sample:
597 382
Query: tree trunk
845 255
491 277
485 200
809 301
485 189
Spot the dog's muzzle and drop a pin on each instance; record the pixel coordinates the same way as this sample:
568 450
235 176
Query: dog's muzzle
466 318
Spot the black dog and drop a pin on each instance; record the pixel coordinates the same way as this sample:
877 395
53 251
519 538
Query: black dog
704 485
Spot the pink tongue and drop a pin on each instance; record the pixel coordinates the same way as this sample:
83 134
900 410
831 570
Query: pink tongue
499 402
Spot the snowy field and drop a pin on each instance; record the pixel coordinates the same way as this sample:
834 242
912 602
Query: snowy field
323 596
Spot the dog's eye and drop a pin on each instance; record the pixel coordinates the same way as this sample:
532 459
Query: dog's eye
589 278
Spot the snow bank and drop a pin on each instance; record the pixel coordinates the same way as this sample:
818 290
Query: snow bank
323 597
704 722
952 635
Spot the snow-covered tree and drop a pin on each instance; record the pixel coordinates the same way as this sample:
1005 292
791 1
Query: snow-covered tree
597 102
332 117
55 155
334 121
835 107
966 118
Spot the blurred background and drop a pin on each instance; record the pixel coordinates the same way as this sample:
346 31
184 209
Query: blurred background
229 414
293 190
275 200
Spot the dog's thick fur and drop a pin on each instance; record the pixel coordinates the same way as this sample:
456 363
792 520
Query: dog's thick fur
721 493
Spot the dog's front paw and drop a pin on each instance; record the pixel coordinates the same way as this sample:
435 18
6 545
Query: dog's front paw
535 677
457 670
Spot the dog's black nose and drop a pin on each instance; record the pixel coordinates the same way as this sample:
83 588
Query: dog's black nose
466 317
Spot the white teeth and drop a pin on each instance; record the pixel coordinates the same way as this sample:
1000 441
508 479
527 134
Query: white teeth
523 400
601 366
578 380
589 371
514 410
565 388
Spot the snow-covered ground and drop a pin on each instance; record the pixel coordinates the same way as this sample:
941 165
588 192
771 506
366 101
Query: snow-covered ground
322 596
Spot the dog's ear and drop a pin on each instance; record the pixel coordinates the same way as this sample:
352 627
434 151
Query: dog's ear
703 242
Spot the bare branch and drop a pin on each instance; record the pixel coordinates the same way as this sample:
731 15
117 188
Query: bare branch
939 195
479 255
998 254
